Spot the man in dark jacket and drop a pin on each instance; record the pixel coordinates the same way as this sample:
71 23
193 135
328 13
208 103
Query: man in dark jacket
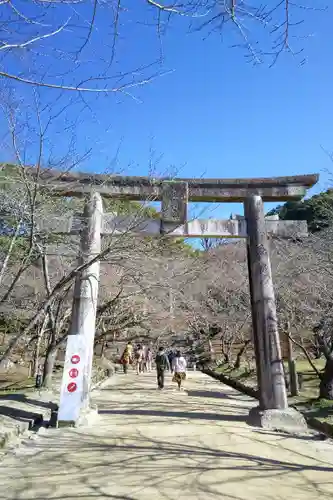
171 355
162 364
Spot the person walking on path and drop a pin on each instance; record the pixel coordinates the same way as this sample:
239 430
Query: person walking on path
162 364
126 357
149 360
171 355
139 357
179 369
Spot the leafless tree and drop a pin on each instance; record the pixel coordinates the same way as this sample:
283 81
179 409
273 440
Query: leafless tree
211 243
303 281
264 31
128 274
55 44
217 308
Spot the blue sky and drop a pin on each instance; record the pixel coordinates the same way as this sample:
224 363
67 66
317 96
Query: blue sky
213 114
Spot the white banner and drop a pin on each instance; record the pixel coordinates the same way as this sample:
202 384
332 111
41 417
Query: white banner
74 390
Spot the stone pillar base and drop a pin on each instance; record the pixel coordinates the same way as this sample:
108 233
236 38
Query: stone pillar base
287 420
64 423
88 417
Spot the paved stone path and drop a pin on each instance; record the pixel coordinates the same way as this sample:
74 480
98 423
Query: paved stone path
152 445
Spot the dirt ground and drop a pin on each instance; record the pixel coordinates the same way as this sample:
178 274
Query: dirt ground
148 444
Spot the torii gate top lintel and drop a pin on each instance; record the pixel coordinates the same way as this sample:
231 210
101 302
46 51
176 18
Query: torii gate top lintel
205 190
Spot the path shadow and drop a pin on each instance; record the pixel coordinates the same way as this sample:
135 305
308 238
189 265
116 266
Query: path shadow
21 415
130 389
218 407
215 395
207 394
317 412
177 414
230 459
22 398
85 465
316 436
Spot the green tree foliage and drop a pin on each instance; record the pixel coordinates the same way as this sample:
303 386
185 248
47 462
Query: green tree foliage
317 211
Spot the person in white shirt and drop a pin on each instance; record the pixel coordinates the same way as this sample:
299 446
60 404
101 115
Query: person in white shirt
179 369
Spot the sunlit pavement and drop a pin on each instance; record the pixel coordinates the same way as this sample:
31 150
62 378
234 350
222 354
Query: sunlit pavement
149 444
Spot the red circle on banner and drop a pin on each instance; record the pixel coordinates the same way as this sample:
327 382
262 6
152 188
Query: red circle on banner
73 372
71 387
75 359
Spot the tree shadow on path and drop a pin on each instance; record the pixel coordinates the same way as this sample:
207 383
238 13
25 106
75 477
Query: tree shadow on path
216 395
176 414
21 415
22 398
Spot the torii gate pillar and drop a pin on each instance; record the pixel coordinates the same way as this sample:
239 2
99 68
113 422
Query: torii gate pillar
76 381
273 411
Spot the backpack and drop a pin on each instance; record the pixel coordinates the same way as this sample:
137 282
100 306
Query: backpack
161 361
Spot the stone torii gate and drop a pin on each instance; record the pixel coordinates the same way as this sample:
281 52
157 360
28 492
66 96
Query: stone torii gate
174 195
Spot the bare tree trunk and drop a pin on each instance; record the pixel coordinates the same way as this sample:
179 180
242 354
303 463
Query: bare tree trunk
3 337
38 344
326 382
103 347
240 354
10 249
26 263
226 358
307 355
55 292
15 340
50 358
293 379
225 351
